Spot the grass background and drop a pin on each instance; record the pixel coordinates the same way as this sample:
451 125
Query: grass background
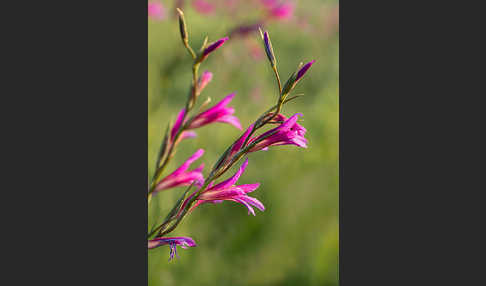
295 241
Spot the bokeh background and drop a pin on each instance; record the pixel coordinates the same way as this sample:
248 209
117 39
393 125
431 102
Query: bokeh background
295 240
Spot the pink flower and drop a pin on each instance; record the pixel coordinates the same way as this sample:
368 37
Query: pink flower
228 191
288 133
283 11
217 113
203 6
156 10
177 125
184 242
182 177
238 145
204 79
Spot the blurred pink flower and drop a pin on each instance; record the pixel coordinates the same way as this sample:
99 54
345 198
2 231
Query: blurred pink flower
156 10
183 241
331 24
182 177
203 6
282 11
255 51
269 3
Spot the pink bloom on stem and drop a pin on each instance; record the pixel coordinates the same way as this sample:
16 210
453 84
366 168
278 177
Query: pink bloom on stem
182 177
156 10
203 6
238 145
228 191
204 79
283 11
288 133
217 113
183 241
177 125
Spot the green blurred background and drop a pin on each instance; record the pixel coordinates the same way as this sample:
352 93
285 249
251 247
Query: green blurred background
295 240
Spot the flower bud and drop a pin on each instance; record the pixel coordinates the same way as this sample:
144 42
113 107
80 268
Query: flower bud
268 48
182 27
295 77
289 84
303 70
211 48
204 79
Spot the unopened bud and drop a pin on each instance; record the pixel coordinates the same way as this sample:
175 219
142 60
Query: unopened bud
268 48
303 70
204 79
182 27
211 48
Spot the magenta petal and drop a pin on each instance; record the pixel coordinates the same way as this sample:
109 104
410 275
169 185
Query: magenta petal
232 180
221 195
173 242
254 202
177 124
227 99
187 134
204 79
239 143
233 120
217 113
250 209
180 177
248 188
289 132
185 241
189 161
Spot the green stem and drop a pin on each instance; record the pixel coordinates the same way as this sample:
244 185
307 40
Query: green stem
189 106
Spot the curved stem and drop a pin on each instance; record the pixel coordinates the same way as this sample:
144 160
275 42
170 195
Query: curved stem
278 79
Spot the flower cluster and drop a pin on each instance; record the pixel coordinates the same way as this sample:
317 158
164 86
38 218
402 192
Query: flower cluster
206 190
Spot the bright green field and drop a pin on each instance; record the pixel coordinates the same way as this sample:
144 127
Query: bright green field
295 240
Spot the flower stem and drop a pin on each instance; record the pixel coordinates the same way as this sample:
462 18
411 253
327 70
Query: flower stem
278 79
189 105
